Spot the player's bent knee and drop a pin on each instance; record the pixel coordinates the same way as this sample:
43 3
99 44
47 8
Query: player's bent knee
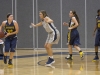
12 50
75 46
48 46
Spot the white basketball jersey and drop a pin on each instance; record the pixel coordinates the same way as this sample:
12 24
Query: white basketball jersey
49 27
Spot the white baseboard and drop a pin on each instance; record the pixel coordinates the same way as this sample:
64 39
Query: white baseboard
52 48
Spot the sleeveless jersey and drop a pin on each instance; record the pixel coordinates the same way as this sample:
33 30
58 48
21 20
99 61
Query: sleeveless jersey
98 21
49 27
71 23
9 28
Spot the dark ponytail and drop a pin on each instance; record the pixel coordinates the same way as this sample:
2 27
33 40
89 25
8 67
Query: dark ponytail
76 16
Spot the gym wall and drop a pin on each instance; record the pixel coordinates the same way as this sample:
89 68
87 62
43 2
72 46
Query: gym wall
26 11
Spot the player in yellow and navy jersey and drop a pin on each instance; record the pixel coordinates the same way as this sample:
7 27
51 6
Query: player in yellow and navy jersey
73 38
97 38
11 29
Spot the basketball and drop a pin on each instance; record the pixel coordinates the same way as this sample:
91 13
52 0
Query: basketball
2 34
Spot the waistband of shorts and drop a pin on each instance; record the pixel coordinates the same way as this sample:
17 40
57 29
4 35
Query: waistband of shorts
50 32
53 31
11 37
74 29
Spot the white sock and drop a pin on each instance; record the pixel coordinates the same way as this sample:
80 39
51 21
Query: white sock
51 57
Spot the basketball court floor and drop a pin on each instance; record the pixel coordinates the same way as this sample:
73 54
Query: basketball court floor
32 62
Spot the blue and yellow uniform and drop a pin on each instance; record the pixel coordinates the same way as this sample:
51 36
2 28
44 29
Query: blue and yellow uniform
97 38
73 35
10 41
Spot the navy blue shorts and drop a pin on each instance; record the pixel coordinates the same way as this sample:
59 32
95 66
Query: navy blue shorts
97 39
10 44
74 38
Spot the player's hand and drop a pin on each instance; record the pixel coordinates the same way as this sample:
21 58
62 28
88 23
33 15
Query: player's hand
8 34
33 24
65 24
69 28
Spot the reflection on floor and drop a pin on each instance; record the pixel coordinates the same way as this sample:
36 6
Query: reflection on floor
29 64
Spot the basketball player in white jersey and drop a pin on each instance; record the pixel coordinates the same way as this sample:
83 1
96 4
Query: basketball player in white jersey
53 35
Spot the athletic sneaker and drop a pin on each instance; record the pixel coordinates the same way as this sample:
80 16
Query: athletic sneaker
50 61
10 65
69 57
81 55
96 58
5 59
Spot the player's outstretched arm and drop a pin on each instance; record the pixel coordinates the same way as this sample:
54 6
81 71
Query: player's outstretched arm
65 24
37 25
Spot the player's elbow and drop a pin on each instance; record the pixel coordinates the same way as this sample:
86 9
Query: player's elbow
17 31
77 25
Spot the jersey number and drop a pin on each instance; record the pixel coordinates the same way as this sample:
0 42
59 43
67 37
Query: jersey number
9 31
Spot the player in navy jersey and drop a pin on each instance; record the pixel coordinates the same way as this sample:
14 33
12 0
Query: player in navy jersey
73 38
97 38
11 29
53 34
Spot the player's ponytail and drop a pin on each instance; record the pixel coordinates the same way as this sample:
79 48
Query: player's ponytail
44 13
76 16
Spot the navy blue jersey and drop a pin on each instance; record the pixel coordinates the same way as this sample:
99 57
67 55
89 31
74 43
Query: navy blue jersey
98 21
71 24
97 38
73 35
9 28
